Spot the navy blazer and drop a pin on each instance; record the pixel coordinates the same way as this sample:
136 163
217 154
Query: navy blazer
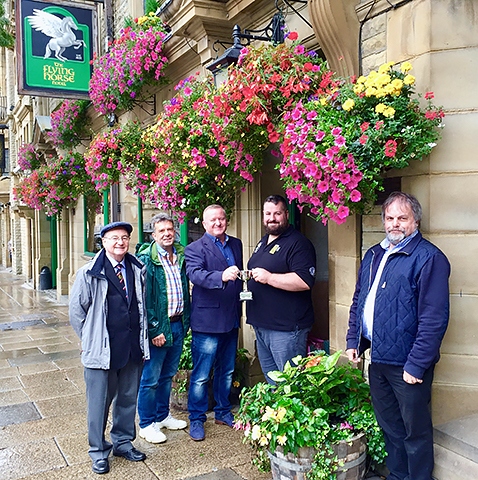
123 318
215 306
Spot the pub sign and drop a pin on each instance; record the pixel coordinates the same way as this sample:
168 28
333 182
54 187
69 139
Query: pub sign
57 41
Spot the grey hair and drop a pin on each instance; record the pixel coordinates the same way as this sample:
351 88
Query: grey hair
403 198
161 217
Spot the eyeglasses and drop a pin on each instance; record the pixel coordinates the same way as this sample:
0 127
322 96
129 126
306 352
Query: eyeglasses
116 239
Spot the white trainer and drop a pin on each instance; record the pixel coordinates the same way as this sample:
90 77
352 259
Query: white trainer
152 434
172 423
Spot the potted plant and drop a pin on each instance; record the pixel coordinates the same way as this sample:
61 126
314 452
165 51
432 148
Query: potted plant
317 408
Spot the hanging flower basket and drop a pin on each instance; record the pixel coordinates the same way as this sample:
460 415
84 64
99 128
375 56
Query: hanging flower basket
197 163
335 138
70 124
134 61
103 159
57 183
28 159
336 147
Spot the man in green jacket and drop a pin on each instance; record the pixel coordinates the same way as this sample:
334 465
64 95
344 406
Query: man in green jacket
168 309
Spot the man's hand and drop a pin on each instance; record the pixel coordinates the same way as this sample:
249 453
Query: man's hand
261 275
159 341
411 379
230 274
352 355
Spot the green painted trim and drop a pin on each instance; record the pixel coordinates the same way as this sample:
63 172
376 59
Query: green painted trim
291 208
183 232
140 220
54 249
106 207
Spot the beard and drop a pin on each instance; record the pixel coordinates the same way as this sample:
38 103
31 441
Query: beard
276 228
395 237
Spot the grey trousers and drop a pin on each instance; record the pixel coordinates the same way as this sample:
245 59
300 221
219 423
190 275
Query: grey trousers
104 387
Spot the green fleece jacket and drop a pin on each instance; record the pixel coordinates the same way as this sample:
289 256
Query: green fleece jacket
156 291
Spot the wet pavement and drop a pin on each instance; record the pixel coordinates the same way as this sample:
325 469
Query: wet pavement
43 411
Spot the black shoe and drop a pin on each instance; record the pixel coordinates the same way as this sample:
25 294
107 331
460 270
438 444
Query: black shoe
132 455
101 466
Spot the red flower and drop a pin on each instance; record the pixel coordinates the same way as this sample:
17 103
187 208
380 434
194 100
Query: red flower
364 126
429 95
390 148
293 36
274 137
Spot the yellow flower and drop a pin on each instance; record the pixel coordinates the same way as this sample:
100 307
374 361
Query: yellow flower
370 92
381 92
280 414
409 80
281 439
348 104
323 101
361 79
382 79
358 88
269 413
397 84
256 432
385 67
406 67
380 107
389 112
263 441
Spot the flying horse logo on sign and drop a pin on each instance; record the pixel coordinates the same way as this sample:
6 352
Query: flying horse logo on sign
60 31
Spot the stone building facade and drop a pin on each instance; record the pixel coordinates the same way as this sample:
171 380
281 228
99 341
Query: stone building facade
437 36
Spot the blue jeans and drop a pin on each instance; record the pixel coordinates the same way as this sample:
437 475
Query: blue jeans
158 371
211 350
275 348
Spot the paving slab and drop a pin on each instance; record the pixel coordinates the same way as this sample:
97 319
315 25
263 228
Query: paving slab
227 474
18 413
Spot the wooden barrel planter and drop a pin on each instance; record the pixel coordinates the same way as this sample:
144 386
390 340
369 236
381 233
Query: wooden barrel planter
351 455
354 456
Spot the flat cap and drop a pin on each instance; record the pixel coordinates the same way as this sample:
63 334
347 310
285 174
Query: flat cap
112 226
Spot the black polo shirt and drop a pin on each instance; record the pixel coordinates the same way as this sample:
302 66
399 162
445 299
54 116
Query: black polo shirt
271 307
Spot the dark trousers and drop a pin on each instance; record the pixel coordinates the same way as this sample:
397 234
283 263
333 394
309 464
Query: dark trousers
403 412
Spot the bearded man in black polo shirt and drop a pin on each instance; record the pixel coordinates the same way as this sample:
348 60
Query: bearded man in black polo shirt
283 274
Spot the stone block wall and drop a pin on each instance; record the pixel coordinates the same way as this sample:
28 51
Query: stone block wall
439 38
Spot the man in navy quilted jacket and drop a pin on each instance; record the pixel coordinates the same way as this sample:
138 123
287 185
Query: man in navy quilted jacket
400 310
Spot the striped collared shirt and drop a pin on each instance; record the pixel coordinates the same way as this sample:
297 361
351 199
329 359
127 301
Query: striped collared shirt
173 282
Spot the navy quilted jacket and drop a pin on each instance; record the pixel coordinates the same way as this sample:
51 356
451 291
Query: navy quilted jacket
411 308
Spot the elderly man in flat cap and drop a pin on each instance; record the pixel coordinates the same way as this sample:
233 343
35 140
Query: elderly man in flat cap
107 311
